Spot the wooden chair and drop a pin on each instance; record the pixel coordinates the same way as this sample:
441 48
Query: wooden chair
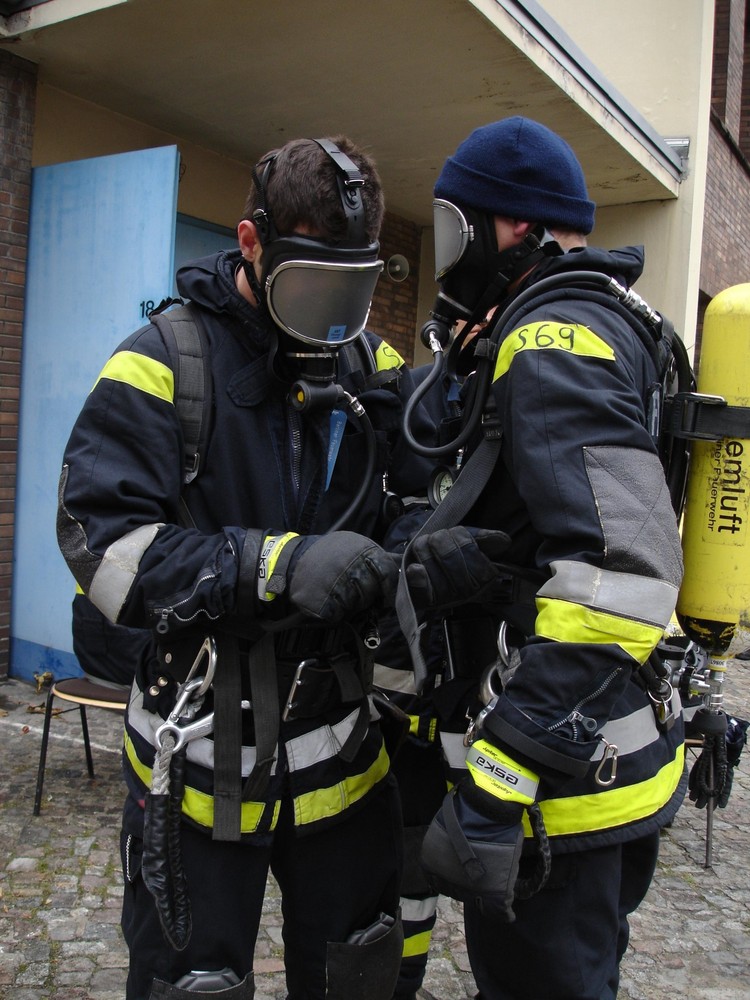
83 693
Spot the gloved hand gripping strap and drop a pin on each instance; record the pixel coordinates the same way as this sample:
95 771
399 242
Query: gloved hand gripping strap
458 501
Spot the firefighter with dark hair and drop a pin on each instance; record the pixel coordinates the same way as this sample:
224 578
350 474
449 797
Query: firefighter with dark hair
252 740
557 584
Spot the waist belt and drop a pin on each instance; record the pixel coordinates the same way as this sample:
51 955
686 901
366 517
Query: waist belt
312 682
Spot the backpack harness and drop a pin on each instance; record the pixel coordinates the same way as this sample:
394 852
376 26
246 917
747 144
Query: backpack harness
187 342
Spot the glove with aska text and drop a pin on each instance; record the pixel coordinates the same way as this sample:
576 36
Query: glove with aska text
453 565
327 577
472 849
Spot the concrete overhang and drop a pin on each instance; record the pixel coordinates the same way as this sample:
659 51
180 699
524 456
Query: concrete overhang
407 78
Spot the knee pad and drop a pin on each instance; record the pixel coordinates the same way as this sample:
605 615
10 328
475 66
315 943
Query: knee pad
221 985
366 966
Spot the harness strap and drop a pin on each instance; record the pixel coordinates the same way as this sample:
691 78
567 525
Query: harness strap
227 740
457 503
266 715
192 393
351 689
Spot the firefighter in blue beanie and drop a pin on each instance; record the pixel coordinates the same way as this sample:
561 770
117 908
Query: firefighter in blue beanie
575 754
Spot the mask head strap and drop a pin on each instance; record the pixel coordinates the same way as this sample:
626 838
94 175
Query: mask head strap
261 216
349 181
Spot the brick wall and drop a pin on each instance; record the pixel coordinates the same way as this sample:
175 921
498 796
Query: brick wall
725 259
17 97
726 234
721 57
394 306
728 62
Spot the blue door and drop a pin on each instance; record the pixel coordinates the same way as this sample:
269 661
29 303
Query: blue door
101 254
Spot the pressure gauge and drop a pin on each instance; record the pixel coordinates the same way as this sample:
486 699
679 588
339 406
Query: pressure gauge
441 480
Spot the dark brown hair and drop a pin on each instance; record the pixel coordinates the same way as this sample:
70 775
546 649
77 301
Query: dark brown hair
302 189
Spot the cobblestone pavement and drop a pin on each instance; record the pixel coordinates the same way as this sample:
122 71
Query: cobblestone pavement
60 882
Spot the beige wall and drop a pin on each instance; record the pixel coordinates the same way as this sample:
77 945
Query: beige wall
658 55
212 188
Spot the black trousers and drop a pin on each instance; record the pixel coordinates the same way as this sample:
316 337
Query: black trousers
332 883
567 941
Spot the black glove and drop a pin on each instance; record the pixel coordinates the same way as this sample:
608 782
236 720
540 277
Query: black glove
331 577
473 847
708 774
736 739
712 774
473 857
453 565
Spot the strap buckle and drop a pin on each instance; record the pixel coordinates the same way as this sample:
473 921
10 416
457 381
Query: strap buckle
686 412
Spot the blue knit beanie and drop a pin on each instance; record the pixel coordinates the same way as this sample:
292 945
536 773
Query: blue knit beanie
522 170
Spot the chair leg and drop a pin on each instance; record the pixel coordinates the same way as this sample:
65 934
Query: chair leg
86 741
43 752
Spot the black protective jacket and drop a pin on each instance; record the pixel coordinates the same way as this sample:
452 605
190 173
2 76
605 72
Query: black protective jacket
122 532
581 491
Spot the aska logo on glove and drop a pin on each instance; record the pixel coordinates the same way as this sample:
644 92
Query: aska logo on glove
499 775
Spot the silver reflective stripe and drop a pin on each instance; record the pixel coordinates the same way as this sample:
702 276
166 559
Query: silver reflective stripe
114 577
418 909
321 744
453 749
394 680
199 751
623 594
633 732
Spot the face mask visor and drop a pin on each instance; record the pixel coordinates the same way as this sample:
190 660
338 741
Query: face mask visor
452 236
321 303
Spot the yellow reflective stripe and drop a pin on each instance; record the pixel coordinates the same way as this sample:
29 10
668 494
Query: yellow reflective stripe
269 556
140 372
199 806
567 622
387 357
611 807
324 802
414 725
417 944
544 336
499 775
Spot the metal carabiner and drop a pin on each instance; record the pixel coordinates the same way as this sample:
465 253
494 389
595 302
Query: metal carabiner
179 723
610 755
208 648
475 724
487 692
187 731
662 704
502 643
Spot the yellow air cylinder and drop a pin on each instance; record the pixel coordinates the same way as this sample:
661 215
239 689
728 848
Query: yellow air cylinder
715 593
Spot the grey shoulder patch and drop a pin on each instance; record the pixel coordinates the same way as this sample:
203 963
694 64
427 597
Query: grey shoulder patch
635 513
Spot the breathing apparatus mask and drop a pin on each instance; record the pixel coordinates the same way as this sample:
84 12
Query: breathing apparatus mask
474 277
317 291
472 273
